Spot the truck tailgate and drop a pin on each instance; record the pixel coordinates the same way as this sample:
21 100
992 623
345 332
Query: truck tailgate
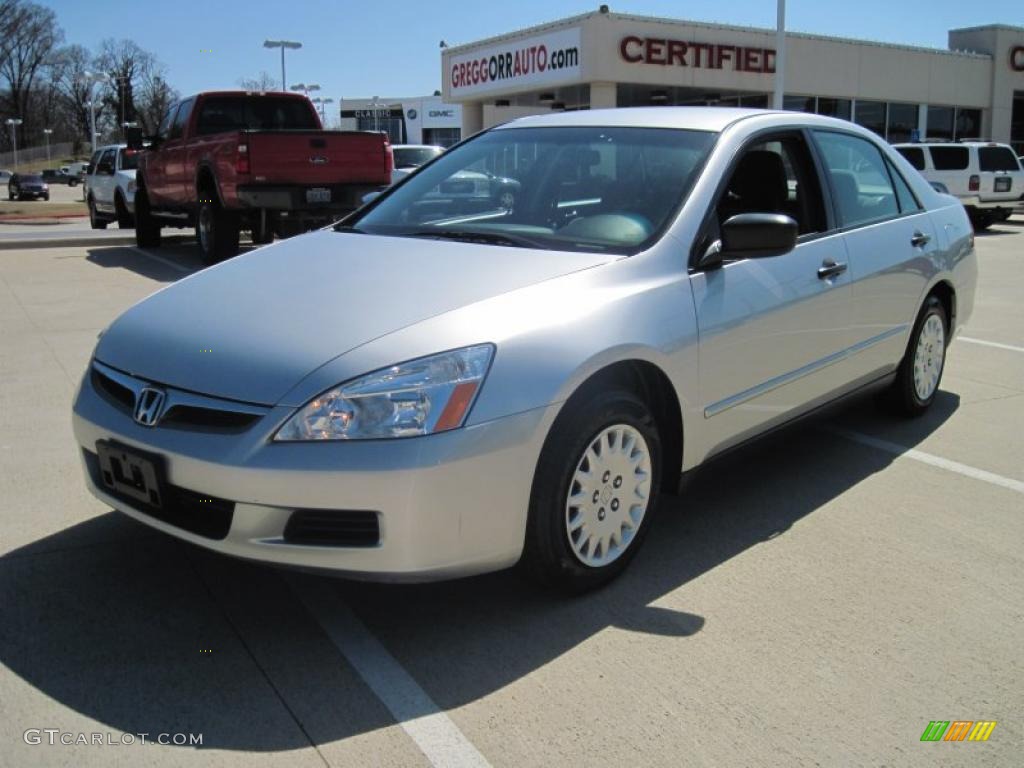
318 157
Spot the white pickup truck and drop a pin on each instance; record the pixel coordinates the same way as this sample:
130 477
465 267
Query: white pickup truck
985 176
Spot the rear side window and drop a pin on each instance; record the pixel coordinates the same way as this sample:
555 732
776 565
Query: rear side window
914 155
860 180
256 113
950 158
904 196
997 159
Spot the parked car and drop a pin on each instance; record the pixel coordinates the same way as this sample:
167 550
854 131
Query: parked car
404 397
52 176
77 169
409 157
27 186
110 186
231 160
985 176
5 175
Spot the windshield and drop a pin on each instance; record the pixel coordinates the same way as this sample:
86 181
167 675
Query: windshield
559 188
414 157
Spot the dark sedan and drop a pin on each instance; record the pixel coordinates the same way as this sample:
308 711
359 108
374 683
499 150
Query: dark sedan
27 186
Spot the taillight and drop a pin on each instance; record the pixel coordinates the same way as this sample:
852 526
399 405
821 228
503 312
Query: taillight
974 183
242 159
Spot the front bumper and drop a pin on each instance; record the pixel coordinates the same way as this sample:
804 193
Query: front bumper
448 505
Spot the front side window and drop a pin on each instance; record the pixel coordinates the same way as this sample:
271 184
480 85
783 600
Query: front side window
914 156
776 176
860 181
178 127
165 125
559 188
106 164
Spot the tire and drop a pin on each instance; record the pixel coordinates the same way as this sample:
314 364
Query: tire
506 199
46 198
124 219
72 183
920 372
217 232
576 562
10 194
94 218
147 228
981 221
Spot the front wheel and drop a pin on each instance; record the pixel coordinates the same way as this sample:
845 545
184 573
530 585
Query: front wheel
147 228
95 222
124 219
920 371
594 492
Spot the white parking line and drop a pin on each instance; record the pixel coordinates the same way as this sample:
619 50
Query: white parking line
995 344
901 451
161 259
430 728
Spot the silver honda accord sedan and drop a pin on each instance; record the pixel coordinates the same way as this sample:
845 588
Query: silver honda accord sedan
443 384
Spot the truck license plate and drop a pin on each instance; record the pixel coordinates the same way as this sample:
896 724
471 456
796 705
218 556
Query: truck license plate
1003 184
318 195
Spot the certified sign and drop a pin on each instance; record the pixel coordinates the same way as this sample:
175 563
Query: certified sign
550 58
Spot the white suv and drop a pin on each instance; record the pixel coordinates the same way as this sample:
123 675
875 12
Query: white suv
986 177
110 186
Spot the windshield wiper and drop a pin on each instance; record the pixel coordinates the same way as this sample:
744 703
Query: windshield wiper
475 236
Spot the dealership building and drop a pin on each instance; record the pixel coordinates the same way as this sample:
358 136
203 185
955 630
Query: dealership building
975 89
415 120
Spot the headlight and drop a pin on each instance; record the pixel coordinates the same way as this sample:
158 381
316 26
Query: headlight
430 394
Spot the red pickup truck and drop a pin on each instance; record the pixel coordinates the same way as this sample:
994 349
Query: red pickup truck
224 161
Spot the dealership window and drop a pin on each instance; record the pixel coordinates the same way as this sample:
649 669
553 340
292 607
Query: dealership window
1017 123
902 121
798 103
940 123
968 123
949 158
871 114
840 108
758 101
442 137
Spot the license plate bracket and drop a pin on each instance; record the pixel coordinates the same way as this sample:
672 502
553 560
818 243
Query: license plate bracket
318 195
131 473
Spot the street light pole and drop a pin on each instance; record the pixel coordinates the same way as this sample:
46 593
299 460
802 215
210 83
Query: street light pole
282 44
780 55
92 79
47 132
14 122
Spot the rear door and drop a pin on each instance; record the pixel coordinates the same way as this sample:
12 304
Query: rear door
890 240
772 330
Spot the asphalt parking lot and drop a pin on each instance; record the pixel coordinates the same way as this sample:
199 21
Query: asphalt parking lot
814 599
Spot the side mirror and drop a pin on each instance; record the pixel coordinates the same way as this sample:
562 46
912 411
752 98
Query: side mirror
133 137
752 236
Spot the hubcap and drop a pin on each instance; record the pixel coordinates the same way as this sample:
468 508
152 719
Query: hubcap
929 356
507 200
608 496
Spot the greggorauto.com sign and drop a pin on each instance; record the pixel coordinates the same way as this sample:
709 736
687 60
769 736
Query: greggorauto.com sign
549 58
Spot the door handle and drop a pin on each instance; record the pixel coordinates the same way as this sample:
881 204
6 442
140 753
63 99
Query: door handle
830 268
919 239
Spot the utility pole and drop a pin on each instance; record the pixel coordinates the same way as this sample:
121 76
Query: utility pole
14 122
780 55
47 132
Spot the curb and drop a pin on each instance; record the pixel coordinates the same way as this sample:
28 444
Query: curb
65 242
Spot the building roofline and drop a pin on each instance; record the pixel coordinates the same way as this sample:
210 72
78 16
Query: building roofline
569 21
982 27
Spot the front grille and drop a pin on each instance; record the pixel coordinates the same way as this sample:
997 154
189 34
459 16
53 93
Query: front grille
205 516
333 528
185 410
113 392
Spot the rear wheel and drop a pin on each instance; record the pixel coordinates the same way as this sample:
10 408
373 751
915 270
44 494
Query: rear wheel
593 492
217 231
920 371
981 220
124 219
94 218
147 228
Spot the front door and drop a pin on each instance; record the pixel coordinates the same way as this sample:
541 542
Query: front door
773 331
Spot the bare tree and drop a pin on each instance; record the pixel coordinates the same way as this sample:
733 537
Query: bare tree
71 67
155 97
31 34
127 65
264 82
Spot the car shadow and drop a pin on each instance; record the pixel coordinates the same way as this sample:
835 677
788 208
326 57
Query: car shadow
178 258
112 621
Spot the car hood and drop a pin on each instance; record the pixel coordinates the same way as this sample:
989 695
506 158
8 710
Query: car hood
253 327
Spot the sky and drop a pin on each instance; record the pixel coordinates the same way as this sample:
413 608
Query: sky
365 48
